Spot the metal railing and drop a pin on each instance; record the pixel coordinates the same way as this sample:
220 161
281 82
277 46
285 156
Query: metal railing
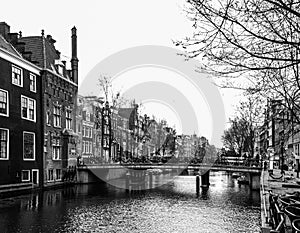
236 162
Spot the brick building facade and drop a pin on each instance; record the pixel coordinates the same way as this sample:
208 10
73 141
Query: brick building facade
20 122
55 101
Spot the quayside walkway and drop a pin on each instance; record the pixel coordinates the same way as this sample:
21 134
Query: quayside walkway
275 188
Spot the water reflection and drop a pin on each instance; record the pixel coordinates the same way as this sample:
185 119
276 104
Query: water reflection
173 207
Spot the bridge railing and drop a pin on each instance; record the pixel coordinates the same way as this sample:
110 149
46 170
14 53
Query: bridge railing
237 162
240 162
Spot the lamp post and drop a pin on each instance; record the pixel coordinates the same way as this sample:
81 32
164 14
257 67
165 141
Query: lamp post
282 151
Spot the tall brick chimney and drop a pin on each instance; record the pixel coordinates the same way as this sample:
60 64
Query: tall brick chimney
74 60
4 30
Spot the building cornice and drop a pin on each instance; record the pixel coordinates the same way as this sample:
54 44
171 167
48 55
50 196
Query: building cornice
19 61
60 76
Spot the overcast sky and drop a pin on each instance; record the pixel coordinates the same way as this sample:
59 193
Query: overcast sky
106 27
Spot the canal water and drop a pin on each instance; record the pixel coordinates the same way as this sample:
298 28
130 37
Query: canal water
174 207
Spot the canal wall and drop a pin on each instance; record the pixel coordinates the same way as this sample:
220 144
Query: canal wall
85 176
15 188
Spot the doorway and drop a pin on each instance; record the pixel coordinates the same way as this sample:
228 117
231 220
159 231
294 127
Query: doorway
35 177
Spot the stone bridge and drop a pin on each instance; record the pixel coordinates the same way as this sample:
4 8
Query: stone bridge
92 172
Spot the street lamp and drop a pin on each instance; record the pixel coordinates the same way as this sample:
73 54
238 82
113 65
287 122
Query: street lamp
282 151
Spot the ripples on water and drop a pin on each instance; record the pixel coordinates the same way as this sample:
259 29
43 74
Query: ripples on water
174 207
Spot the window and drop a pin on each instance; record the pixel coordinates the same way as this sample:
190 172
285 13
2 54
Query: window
4 142
28 108
48 118
91 133
87 147
50 175
3 103
78 128
83 131
60 70
58 174
87 131
17 76
56 155
57 116
25 175
28 146
68 119
83 147
32 78
91 151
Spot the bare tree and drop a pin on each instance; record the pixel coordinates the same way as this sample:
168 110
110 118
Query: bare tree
110 94
239 137
254 39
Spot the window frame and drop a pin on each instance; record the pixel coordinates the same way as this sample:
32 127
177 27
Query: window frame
7 144
91 132
83 130
7 103
21 75
48 175
34 76
69 118
48 122
58 179
34 145
34 105
57 116
56 147
28 175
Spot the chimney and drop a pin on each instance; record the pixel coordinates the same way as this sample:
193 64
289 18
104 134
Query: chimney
4 30
74 60
12 38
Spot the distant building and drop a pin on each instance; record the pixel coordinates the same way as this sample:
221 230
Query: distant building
278 139
89 128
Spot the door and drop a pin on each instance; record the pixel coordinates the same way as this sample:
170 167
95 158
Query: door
35 177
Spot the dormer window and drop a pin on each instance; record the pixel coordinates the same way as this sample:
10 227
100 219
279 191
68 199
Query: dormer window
60 70
59 66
